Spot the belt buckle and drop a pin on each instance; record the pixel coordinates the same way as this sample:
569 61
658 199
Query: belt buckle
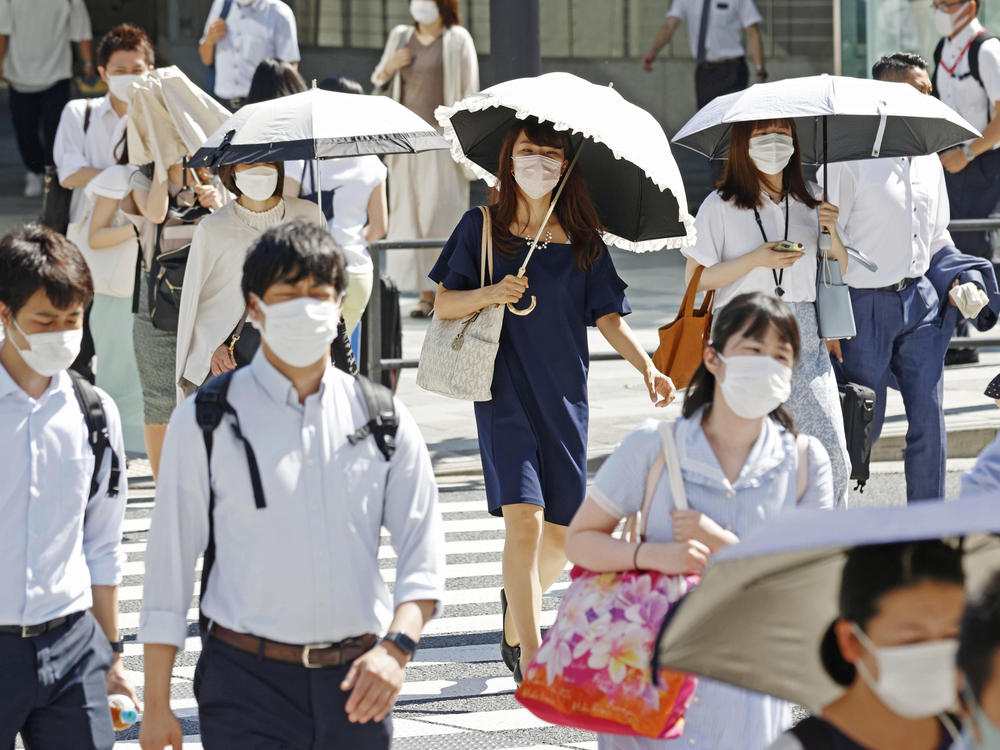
305 654
30 631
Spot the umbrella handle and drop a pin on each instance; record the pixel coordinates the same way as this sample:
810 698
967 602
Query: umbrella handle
526 311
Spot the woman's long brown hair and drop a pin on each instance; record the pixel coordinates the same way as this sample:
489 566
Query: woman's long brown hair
575 210
741 182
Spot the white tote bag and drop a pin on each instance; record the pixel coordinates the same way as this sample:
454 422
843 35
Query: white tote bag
458 356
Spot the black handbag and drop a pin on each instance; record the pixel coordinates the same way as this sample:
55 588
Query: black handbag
56 199
391 330
858 404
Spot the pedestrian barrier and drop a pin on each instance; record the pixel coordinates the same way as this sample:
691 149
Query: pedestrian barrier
373 313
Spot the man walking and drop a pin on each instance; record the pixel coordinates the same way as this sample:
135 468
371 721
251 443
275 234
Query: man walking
288 499
715 29
37 62
238 36
62 502
896 212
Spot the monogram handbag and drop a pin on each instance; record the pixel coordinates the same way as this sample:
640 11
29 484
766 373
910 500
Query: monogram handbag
834 311
683 340
458 356
593 669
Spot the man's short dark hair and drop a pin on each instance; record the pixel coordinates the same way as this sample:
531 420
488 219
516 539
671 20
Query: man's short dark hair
291 252
897 65
979 640
125 37
227 176
35 257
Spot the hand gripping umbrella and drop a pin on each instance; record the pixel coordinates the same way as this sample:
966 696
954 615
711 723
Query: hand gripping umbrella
836 119
757 617
317 124
621 151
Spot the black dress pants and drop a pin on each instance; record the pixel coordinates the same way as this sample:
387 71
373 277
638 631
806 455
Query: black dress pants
36 118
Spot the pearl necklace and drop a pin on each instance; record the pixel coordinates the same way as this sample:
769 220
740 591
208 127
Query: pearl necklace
542 243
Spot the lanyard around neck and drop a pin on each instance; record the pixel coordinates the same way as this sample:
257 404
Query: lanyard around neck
951 70
778 275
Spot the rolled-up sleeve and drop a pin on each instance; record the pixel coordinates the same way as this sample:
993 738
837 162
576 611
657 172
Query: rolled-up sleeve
6 24
69 150
178 532
411 516
710 232
102 524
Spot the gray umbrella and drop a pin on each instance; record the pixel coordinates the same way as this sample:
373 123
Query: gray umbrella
757 617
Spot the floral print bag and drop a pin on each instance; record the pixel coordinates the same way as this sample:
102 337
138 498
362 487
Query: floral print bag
592 670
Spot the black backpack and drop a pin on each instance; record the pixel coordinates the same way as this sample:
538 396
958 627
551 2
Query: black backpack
858 405
973 54
391 328
97 432
211 405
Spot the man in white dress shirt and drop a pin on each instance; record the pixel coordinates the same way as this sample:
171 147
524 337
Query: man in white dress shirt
715 30
238 36
295 598
62 506
896 212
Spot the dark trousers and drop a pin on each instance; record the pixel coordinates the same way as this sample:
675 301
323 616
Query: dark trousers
36 118
52 688
896 343
718 78
974 193
84 362
258 704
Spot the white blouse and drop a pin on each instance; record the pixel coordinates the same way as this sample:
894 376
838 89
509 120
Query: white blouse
212 301
726 232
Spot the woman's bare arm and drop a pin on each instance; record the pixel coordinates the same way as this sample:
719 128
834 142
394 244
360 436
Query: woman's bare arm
378 211
451 304
101 234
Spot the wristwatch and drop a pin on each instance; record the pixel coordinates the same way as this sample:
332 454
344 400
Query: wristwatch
761 73
967 150
403 642
117 646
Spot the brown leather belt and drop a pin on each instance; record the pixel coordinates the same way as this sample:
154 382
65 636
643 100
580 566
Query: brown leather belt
313 655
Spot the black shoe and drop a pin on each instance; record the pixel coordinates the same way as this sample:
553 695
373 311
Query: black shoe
511 655
518 677
961 356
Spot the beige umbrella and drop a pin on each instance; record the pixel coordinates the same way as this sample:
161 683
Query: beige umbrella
169 118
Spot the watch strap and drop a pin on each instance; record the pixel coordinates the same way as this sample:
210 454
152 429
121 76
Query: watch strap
117 646
967 150
403 642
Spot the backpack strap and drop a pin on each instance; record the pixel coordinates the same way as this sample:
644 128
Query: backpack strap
97 433
211 405
814 734
978 42
937 64
382 419
86 116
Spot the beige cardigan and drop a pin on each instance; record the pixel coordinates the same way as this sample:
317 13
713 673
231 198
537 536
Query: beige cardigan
461 66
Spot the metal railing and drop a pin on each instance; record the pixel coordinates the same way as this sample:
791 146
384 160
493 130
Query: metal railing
373 313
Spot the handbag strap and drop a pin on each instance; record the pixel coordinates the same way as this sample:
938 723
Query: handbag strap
666 458
687 305
486 249
239 330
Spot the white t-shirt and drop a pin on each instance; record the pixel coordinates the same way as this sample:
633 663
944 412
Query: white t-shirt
38 34
726 232
352 180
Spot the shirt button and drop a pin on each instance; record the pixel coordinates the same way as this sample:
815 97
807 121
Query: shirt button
696 699
691 742
35 492
729 494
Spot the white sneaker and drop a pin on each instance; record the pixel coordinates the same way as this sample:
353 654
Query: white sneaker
33 183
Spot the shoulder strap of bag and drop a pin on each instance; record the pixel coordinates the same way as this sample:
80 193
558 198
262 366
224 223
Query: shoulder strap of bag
382 421
687 304
666 458
486 248
937 64
977 42
802 476
97 433
814 734
673 464
86 116
226 7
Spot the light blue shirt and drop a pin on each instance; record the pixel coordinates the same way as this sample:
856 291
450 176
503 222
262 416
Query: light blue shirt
254 32
984 477
304 569
721 717
57 541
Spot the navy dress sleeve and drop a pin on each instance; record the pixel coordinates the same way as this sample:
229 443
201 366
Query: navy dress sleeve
459 265
605 291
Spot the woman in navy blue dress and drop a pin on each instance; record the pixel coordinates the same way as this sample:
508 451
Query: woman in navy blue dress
533 433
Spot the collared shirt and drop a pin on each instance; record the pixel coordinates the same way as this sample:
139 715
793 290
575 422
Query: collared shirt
305 568
726 21
254 32
75 149
57 541
959 90
895 211
726 232
720 715
38 34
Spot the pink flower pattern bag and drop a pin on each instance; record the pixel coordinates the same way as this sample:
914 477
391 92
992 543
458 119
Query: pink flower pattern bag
593 670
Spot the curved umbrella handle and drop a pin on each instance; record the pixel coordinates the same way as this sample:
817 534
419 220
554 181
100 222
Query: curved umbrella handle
526 311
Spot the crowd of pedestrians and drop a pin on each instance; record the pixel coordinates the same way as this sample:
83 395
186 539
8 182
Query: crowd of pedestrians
314 461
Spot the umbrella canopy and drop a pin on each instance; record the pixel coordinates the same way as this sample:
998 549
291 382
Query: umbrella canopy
630 173
757 617
169 117
317 124
865 119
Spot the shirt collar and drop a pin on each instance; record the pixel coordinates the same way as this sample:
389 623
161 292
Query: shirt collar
277 386
965 35
696 453
102 109
8 386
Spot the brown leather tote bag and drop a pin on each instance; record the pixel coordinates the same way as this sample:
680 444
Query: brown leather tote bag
683 340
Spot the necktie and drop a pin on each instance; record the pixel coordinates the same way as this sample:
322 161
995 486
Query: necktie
703 30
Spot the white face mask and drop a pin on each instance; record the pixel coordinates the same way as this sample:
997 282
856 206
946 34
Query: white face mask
120 84
300 330
424 11
246 3
537 175
771 152
755 385
49 353
944 22
257 183
914 681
